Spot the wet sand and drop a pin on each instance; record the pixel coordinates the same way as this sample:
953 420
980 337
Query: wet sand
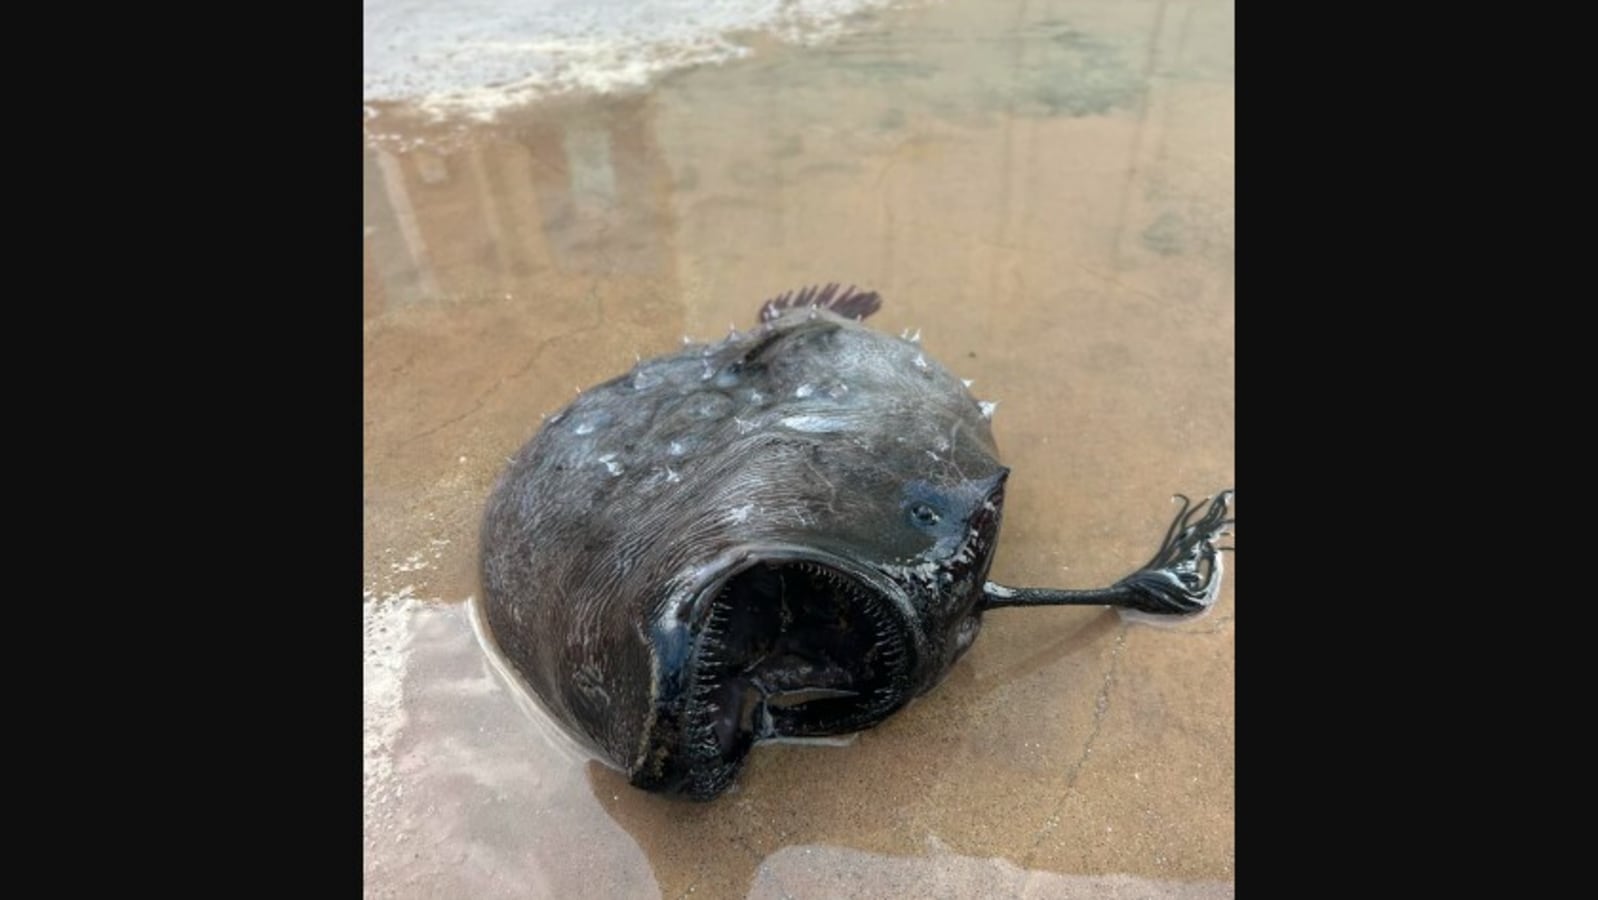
1045 191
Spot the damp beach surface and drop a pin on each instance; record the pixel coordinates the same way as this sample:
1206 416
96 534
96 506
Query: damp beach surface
1044 190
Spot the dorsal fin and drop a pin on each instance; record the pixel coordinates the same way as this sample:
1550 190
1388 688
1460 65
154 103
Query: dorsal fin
847 302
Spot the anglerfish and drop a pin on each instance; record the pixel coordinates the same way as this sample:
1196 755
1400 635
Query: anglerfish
786 534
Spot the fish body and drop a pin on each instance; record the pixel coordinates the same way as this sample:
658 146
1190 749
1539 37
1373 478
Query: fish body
786 534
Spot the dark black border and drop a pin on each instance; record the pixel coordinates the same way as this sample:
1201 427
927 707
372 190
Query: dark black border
227 335
1338 299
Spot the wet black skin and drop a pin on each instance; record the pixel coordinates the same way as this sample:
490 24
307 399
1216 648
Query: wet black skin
786 534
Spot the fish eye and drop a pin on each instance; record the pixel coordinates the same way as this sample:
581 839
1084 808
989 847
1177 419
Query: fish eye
924 515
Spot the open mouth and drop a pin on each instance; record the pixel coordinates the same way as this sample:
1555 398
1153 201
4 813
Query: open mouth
791 648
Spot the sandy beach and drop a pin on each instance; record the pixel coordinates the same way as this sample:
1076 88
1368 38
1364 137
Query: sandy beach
1045 191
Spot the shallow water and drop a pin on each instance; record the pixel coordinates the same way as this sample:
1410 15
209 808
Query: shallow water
1045 190
479 56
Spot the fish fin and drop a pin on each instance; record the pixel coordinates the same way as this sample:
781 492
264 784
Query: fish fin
847 302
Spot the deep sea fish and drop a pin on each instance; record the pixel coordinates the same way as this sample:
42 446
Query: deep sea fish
786 534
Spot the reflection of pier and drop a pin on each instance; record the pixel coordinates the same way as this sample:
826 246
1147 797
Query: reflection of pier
582 194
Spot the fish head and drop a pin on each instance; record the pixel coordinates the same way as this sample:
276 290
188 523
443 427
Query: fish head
829 621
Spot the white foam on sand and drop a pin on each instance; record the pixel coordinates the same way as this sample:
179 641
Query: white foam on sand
476 57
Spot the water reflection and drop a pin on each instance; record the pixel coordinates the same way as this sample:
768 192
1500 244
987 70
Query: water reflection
467 796
584 194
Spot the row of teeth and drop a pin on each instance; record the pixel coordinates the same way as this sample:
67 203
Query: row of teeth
893 652
701 735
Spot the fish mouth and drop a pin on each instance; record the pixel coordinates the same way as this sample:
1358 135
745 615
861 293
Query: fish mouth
790 647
